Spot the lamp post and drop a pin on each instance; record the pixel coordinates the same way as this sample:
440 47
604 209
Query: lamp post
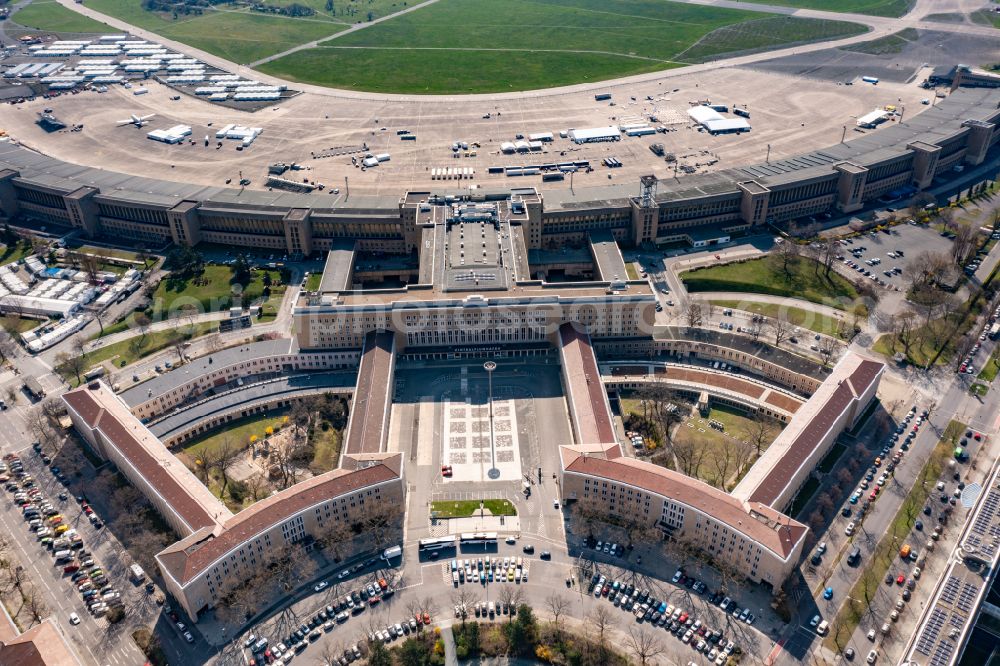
493 472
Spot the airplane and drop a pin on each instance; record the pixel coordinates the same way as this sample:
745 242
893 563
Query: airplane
138 121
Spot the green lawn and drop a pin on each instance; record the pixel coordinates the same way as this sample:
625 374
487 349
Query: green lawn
17 325
312 282
114 253
212 291
766 276
466 508
872 7
887 550
12 253
986 17
797 316
989 371
128 351
889 44
719 446
477 46
49 15
237 432
239 35
326 448
931 342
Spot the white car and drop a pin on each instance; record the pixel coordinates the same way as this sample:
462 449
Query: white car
74 619
849 530
320 586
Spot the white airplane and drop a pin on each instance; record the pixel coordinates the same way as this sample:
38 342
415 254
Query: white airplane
138 121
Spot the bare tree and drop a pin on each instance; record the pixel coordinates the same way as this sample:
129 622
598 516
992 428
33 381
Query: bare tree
142 322
829 254
758 431
558 605
787 253
694 315
8 348
780 328
511 597
465 599
827 348
603 621
643 644
73 364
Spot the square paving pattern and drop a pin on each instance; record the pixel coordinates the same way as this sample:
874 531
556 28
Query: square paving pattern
466 441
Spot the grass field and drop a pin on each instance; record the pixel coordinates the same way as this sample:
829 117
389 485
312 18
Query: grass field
16 325
313 281
237 432
239 35
476 46
213 291
130 350
986 17
766 276
466 508
49 15
887 550
931 342
797 316
871 7
719 446
12 253
989 371
889 44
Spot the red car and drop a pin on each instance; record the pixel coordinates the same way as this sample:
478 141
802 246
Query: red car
417 617
427 617
73 568
445 470
900 579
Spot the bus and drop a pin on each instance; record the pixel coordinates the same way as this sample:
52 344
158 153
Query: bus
479 539
438 543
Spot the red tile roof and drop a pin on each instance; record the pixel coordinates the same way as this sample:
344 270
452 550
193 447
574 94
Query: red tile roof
772 530
586 390
186 561
371 397
774 484
125 440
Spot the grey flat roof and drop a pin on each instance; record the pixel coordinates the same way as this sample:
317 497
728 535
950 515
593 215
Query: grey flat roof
168 381
249 395
338 267
607 257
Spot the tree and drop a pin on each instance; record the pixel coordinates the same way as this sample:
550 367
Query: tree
829 253
643 644
8 348
558 605
184 262
329 7
241 269
71 364
378 655
787 252
176 340
465 598
510 597
757 431
694 315
827 348
603 621
142 322
780 328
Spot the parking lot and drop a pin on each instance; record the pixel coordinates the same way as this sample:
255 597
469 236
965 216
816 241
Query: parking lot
889 258
73 557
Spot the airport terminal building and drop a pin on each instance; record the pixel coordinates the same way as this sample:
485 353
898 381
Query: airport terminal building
960 130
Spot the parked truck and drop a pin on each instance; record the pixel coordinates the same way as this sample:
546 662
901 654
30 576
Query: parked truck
392 552
136 574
